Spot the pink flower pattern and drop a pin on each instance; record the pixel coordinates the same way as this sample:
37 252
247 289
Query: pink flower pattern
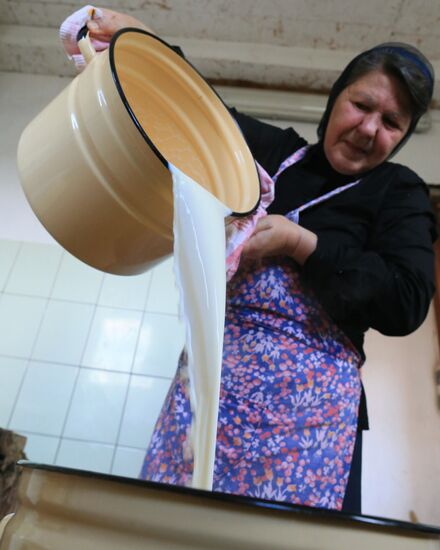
289 397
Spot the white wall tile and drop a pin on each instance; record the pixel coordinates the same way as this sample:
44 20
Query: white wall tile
11 375
128 462
163 296
97 405
161 341
40 448
34 269
112 341
145 399
77 281
63 333
85 455
20 318
8 253
44 398
125 292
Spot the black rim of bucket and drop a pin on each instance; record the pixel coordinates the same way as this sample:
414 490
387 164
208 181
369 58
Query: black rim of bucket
137 123
280 506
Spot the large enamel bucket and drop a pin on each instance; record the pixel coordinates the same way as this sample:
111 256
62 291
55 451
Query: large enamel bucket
94 162
63 509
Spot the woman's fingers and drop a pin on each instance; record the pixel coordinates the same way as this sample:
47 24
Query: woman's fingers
273 235
263 224
269 237
109 22
276 235
258 243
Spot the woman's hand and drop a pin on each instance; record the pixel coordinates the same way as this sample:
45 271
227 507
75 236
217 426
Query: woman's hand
276 235
103 28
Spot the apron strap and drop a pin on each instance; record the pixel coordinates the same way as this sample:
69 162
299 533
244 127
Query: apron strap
293 159
293 215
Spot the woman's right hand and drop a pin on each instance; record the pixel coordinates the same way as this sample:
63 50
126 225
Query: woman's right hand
276 235
104 27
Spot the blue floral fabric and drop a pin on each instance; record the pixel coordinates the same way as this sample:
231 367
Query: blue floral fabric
289 397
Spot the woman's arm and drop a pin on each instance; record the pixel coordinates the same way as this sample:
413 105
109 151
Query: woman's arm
388 285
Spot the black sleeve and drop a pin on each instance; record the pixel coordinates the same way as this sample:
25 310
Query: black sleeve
269 144
389 285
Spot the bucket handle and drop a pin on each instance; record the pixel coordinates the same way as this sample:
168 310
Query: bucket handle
85 44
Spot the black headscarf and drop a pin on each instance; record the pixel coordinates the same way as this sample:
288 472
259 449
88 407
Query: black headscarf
406 62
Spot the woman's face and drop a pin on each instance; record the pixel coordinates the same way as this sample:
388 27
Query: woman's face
368 120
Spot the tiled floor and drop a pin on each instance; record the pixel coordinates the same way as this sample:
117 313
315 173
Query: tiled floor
86 358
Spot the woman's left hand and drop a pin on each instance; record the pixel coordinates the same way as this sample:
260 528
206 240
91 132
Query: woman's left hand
109 22
276 235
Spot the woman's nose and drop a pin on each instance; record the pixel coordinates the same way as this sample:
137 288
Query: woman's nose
369 125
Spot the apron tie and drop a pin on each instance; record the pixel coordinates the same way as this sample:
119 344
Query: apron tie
239 230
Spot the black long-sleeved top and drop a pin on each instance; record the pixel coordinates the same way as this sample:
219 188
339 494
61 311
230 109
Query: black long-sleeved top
374 261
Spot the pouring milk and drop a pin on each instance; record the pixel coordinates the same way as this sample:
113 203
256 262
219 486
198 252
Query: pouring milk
199 263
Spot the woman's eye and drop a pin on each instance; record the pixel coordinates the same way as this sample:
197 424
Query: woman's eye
360 106
391 123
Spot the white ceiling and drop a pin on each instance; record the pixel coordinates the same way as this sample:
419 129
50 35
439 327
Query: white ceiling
285 44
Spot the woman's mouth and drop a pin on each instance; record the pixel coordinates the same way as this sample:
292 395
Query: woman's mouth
355 149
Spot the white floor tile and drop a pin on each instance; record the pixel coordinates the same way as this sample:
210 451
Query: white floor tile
11 375
161 341
40 448
44 398
145 400
34 269
112 341
163 296
125 292
63 333
128 462
8 253
83 455
20 318
97 406
77 281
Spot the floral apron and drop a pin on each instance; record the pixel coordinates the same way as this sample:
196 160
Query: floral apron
289 397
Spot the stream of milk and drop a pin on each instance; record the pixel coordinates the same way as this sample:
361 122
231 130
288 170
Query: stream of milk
199 264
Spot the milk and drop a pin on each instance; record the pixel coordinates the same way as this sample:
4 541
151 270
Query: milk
199 263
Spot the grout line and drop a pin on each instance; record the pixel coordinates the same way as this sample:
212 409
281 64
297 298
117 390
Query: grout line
75 365
30 432
66 414
147 295
17 395
101 286
71 301
29 359
144 313
130 378
79 440
75 384
8 276
121 420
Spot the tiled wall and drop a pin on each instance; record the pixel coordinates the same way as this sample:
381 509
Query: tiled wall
86 358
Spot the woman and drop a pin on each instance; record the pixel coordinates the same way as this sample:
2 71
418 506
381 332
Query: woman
346 245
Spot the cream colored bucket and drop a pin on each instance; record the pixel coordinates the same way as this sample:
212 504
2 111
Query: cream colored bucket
63 509
94 162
